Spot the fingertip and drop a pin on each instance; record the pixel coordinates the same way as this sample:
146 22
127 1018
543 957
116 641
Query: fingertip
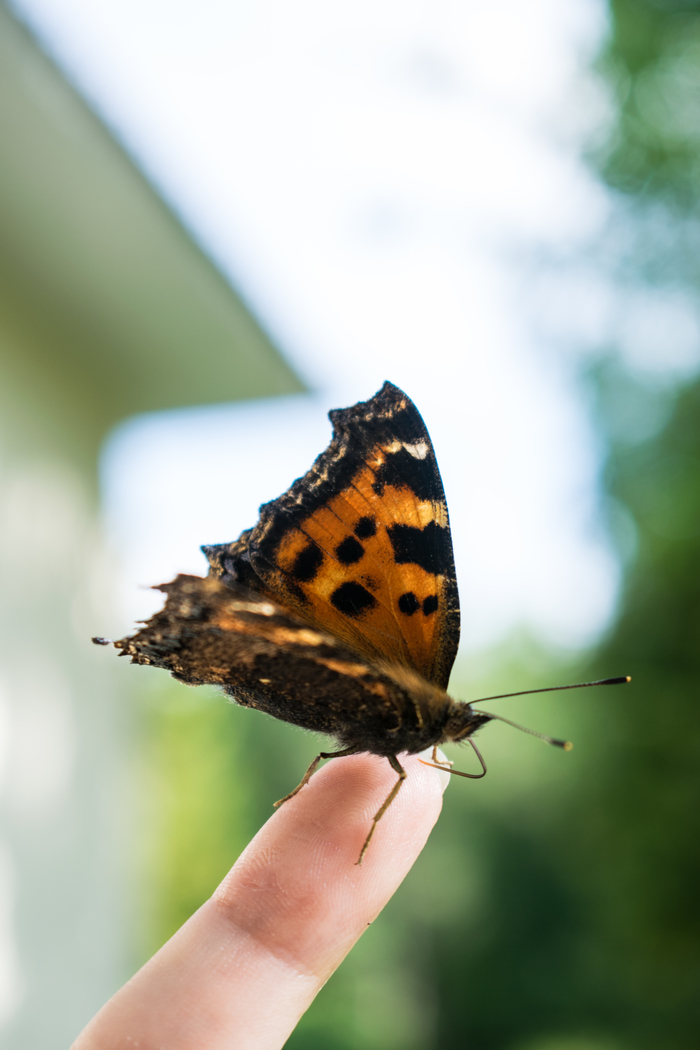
288 912
299 884
426 758
346 794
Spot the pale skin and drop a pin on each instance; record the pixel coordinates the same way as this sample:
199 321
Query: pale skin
246 966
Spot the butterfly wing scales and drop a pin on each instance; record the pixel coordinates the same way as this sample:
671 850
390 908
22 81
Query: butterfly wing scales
226 635
360 546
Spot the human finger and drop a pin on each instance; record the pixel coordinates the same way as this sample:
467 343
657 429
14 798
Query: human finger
248 963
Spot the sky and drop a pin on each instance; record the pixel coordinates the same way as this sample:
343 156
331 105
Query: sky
382 181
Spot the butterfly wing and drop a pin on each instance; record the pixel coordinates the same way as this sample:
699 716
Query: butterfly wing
228 636
360 546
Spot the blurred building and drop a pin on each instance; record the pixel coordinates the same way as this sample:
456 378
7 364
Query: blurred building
107 308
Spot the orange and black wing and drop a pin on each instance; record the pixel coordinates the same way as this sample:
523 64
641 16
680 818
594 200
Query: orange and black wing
360 546
264 658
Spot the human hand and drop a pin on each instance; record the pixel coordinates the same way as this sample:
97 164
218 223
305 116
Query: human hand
249 962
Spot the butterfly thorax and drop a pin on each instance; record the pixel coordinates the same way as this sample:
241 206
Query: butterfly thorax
421 715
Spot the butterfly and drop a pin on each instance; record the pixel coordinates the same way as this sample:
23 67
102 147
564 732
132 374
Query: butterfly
338 611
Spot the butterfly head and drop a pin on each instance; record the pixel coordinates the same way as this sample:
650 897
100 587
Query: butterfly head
463 720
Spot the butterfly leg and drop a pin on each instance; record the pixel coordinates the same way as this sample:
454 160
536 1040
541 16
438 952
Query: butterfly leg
312 769
437 761
396 765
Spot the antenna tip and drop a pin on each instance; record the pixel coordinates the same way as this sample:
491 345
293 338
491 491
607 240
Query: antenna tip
568 746
101 641
615 681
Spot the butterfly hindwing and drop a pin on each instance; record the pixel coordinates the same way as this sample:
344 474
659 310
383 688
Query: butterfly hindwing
360 546
226 635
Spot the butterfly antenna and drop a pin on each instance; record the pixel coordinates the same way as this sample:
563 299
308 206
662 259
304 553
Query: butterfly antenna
555 689
565 745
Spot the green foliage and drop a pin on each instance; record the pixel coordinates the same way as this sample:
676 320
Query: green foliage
653 66
643 887
588 922
645 883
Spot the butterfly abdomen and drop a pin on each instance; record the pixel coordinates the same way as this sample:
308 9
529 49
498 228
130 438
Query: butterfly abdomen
382 709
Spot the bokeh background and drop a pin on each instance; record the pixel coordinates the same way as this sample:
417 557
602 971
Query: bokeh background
218 220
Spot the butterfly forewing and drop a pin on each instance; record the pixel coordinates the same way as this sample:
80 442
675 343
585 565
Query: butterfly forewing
360 546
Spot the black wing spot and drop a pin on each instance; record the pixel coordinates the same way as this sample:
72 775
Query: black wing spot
428 547
402 470
307 563
352 599
349 551
365 528
430 605
408 603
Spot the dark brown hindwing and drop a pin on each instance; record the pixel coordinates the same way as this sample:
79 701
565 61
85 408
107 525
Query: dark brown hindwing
228 636
361 544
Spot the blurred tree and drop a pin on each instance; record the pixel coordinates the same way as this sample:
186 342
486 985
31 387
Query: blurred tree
652 63
593 917
647 793
588 924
